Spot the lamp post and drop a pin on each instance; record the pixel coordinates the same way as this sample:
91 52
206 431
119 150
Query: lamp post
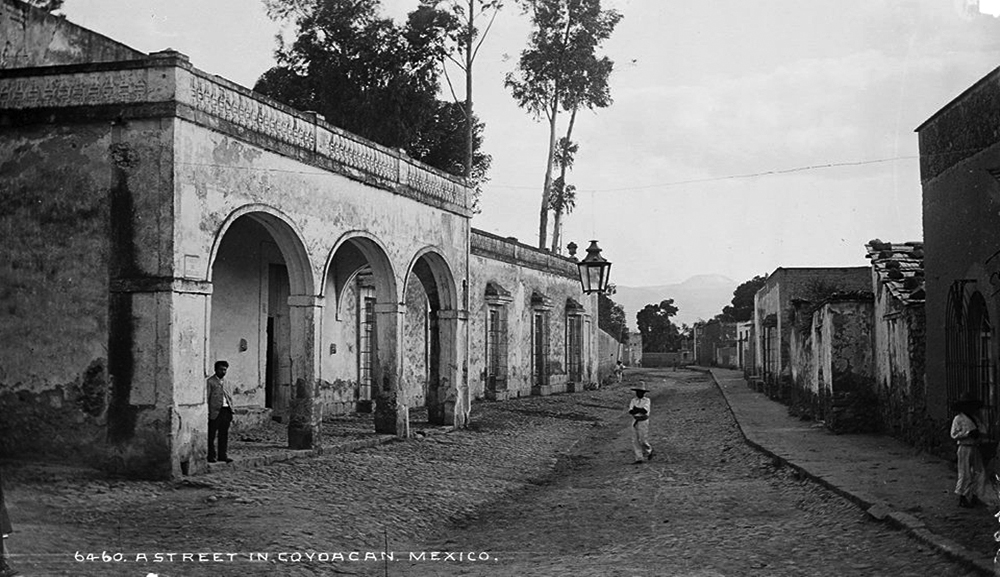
594 270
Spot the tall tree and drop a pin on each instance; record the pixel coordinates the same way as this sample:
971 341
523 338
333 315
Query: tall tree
560 71
742 305
372 77
659 333
563 197
468 39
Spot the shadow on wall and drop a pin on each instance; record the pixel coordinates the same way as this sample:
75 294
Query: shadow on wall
67 422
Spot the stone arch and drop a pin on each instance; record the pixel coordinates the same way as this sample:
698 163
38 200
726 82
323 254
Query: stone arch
263 311
374 252
432 270
429 276
287 236
363 317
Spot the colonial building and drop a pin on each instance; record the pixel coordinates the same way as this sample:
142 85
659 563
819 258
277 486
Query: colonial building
898 340
830 361
774 315
159 218
715 344
959 171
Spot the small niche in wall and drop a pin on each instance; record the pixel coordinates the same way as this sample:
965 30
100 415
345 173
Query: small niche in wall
243 345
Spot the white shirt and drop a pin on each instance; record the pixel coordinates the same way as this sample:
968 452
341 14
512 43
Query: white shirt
642 403
961 427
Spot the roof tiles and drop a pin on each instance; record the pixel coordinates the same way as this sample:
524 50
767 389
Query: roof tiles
900 269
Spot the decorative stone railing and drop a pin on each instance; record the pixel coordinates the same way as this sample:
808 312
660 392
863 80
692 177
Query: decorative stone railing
168 78
512 251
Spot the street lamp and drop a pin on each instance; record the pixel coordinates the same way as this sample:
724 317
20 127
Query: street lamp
594 270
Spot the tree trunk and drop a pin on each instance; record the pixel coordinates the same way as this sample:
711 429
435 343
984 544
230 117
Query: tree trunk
470 124
543 215
556 230
557 218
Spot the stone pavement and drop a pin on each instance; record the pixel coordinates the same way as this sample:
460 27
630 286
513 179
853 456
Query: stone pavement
891 480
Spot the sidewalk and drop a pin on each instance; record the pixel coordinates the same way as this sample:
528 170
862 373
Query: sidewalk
889 479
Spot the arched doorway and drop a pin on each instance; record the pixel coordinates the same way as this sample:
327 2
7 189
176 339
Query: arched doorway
969 357
360 365
431 332
258 265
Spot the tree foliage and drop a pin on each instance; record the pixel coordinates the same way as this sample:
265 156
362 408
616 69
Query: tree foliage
47 5
611 315
659 333
375 78
561 71
742 305
467 40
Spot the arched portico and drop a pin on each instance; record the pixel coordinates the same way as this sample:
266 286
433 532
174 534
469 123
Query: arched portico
264 318
362 331
432 300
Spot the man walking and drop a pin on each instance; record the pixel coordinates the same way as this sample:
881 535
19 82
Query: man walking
639 407
220 413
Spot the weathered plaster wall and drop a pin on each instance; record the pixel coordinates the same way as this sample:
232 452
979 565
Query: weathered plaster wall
521 281
961 200
415 345
847 393
54 184
607 355
899 353
240 307
809 284
33 37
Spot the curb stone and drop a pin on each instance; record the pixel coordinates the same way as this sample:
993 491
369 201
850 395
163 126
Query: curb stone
876 509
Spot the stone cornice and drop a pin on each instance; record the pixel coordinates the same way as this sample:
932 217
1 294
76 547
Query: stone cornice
507 250
167 84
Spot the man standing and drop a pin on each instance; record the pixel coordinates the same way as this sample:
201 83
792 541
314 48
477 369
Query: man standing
639 407
220 413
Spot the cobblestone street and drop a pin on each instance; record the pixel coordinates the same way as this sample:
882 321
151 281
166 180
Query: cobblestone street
537 486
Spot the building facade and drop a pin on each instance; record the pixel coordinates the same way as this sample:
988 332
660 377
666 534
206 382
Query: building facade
774 313
162 218
899 340
959 171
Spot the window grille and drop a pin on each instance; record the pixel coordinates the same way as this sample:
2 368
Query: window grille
539 348
969 358
366 336
496 348
574 348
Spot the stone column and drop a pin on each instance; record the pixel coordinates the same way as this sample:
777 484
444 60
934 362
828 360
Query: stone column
305 414
453 392
392 416
157 415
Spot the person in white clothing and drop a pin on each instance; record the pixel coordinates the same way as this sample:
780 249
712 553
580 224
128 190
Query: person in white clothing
966 429
639 408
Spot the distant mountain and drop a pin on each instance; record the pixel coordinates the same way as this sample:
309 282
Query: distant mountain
699 297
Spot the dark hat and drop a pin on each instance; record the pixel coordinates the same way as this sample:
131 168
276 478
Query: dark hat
967 401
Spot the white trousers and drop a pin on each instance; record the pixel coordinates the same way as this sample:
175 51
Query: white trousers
971 476
640 440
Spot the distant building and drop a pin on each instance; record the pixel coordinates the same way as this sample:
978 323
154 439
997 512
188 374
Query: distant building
744 346
715 344
774 315
899 340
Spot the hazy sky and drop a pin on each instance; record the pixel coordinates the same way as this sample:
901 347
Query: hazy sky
705 93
